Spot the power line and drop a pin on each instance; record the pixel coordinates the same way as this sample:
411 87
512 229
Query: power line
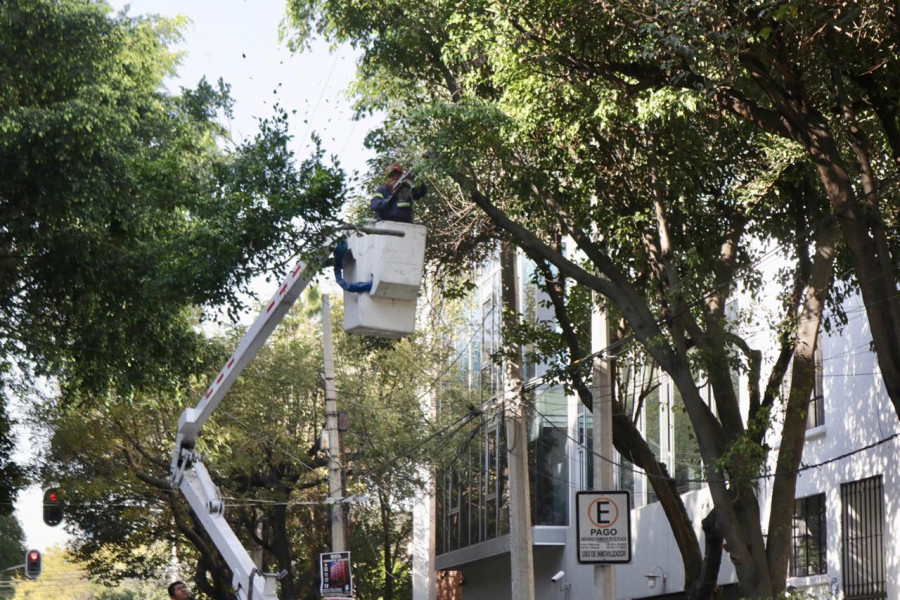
765 476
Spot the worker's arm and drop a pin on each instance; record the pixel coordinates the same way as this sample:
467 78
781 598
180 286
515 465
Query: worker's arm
381 199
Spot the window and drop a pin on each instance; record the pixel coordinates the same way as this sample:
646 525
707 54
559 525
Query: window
548 463
586 447
687 467
488 343
452 526
492 483
808 537
815 415
862 539
653 432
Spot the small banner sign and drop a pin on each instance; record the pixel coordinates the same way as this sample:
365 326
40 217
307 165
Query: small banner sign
337 580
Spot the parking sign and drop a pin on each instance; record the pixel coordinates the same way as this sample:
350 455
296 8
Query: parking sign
604 526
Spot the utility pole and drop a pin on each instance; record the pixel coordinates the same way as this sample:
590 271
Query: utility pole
335 473
520 535
602 390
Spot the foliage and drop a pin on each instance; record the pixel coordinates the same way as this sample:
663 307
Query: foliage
378 575
124 209
104 174
674 147
12 543
393 439
60 577
262 449
12 476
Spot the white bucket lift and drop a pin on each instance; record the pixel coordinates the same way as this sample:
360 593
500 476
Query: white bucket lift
393 259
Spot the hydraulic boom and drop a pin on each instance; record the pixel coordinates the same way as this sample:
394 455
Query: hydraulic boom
389 260
187 471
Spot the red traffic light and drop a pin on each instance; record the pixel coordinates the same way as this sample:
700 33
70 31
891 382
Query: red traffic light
32 564
53 507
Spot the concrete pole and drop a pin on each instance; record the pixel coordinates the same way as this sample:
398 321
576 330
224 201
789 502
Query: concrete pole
521 543
602 390
520 535
335 473
424 544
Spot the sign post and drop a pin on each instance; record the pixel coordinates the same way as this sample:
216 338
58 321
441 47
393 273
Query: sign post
604 527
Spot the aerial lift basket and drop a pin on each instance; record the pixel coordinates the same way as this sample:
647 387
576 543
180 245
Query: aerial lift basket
392 256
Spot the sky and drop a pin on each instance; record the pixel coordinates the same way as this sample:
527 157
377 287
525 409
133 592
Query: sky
237 40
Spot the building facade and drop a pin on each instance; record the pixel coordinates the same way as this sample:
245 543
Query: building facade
846 526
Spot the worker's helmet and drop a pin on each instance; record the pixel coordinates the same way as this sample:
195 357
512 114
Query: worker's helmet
392 169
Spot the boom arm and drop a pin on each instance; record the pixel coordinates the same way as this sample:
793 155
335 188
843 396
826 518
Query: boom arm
187 471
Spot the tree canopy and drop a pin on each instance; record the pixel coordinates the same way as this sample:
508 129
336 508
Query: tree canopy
125 209
122 208
675 146
263 450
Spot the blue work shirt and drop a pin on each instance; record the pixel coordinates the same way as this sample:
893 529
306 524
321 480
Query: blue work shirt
396 205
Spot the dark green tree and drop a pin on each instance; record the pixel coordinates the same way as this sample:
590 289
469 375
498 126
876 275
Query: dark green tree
262 449
12 544
124 208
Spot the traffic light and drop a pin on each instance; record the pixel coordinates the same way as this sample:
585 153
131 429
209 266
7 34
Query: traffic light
53 507
32 564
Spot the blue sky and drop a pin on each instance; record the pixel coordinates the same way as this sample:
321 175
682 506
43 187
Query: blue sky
237 40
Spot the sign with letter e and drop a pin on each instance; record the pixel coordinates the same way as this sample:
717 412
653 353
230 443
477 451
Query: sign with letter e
604 526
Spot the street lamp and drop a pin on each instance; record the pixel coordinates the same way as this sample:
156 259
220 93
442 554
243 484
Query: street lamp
652 577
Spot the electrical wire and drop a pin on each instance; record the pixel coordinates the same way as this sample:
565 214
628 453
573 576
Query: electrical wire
766 476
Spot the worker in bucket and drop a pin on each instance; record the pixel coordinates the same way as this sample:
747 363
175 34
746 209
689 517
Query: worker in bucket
393 200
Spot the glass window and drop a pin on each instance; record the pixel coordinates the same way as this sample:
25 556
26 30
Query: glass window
808 537
687 466
547 441
452 512
491 483
586 447
651 412
815 416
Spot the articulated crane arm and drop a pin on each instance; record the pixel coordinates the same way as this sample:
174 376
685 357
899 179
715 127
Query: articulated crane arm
187 471
389 258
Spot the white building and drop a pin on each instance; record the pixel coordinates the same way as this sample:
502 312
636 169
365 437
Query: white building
846 535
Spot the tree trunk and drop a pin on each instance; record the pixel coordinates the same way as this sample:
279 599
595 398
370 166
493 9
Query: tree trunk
705 586
878 286
862 226
794 430
280 547
629 441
